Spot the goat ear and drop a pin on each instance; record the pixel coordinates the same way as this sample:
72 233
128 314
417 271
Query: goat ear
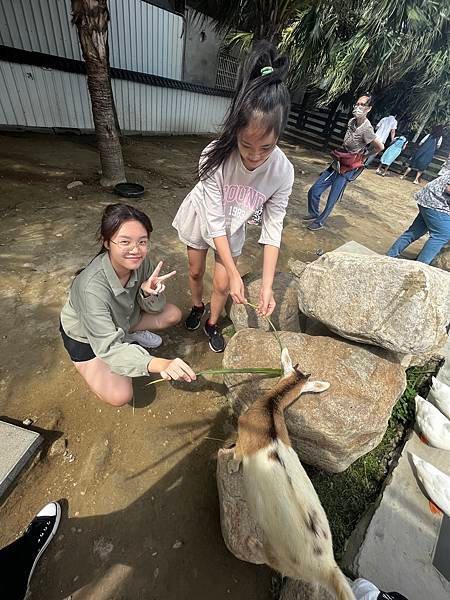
286 362
315 386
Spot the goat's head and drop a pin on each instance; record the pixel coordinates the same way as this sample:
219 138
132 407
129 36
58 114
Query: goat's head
289 370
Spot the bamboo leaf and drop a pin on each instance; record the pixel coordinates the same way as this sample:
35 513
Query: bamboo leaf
267 371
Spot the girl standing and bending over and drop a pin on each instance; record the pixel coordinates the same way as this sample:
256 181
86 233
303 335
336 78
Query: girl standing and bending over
240 172
112 305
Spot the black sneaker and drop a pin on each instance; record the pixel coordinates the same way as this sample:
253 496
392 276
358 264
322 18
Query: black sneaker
41 530
216 341
195 317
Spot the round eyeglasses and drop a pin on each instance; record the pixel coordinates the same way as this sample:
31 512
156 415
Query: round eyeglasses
127 245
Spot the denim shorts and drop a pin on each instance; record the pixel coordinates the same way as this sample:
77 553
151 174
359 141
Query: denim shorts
78 351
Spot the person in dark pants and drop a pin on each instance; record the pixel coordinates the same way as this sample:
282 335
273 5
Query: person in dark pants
346 167
18 560
421 159
433 218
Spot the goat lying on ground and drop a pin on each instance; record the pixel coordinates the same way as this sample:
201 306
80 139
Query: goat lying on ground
282 500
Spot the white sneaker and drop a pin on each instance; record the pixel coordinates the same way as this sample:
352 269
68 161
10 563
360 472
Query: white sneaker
147 339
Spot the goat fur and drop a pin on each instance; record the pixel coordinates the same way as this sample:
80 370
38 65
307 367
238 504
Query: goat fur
282 500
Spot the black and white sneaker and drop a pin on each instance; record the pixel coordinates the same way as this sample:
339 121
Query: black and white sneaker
41 531
216 341
195 317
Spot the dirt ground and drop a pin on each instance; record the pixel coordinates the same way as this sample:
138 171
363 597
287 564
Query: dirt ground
140 510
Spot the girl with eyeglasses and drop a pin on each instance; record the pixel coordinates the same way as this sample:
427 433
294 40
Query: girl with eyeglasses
114 304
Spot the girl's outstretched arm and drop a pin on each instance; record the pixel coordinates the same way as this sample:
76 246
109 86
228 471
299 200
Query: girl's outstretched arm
266 300
237 291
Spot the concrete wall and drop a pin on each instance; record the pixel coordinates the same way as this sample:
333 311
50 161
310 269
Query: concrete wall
201 48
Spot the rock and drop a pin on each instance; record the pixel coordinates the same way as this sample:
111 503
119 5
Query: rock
333 429
422 360
238 527
442 260
314 327
297 267
74 184
300 590
58 447
400 305
286 313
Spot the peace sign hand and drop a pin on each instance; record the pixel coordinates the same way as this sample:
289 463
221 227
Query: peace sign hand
154 284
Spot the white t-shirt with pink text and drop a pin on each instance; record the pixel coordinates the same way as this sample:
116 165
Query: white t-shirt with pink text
222 203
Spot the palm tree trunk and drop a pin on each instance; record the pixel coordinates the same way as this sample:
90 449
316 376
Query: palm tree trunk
91 19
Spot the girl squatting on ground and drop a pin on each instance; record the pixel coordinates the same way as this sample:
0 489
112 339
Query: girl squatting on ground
112 305
240 172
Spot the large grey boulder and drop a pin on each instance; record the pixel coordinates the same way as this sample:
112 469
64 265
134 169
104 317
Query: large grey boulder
286 313
333 429
396 304
239 529
442 260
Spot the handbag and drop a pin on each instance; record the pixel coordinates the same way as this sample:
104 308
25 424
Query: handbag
347 161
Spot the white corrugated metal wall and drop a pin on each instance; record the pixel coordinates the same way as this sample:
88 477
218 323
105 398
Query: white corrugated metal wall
36 97
143 38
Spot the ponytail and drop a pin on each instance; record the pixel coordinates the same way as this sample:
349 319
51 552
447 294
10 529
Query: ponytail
260 93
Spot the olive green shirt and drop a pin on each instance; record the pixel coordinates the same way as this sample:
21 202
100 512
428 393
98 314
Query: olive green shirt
100 311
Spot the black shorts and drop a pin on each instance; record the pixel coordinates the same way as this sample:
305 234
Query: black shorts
78 351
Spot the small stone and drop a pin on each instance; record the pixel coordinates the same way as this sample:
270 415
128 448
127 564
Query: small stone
27 422
442 260
156 573
74 184
59 235
58 447
178 544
